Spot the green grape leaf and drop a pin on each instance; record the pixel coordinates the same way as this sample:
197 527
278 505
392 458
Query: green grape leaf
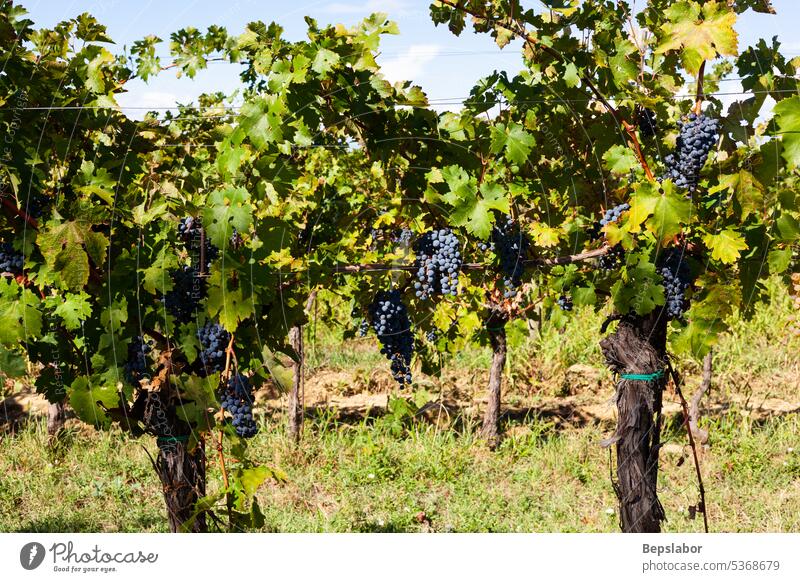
641 292
95 181
700 32
19 317
725 246
262 120
84 396
515 140
698 337
12 364
474 212
72 308
571 76
620 159
787 116
324 61
225 210
749 192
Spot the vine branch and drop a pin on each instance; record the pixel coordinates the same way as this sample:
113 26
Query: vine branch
676 380
520 31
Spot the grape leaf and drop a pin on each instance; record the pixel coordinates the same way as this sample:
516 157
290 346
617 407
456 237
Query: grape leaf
725 246
787 116
701 32
516 142
620 159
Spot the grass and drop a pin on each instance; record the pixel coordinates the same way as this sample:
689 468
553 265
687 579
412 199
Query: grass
396 474
383 475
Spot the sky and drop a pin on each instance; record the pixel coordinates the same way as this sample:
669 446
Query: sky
445 66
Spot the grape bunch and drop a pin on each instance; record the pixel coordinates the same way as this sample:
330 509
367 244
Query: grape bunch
402 237
564 302
10 260
646 120
236 240
438 263
188 290
612 215
698 135
237 400
613 258
363 328
432 335
190 230
135 368
36 204
676 278
389 318
213 341
511 245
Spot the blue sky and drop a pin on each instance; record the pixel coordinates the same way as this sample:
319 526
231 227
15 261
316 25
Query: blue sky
445 66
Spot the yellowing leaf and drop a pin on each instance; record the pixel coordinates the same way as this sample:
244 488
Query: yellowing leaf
700 32
725 246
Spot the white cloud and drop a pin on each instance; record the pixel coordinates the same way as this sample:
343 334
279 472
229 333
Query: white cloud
393 7
410 65
136 104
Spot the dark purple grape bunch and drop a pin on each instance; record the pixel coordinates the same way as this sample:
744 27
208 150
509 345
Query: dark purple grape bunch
188 291
676 278
698 136
511 245
564 302
613 258
647 122
438 263
363 328
190 231
612 215
402 237
10 260
214 341
389 318
136 367
237 400
432 335
236 240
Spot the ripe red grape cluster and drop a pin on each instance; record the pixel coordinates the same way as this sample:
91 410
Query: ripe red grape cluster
237 400
389 318
213 342
10 260
698 135
676 278
136 368
511 245
438 263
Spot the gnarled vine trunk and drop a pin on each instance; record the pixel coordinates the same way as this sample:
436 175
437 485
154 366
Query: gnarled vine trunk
638 346
183 477
182 470
496 326
56 416
295 404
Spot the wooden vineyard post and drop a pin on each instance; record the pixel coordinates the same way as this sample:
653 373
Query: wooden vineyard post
295 404
496 327
638 348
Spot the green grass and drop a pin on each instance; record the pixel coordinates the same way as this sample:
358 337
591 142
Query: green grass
384 476
388 474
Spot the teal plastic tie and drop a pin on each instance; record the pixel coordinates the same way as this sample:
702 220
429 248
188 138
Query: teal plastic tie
173 439
657 375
